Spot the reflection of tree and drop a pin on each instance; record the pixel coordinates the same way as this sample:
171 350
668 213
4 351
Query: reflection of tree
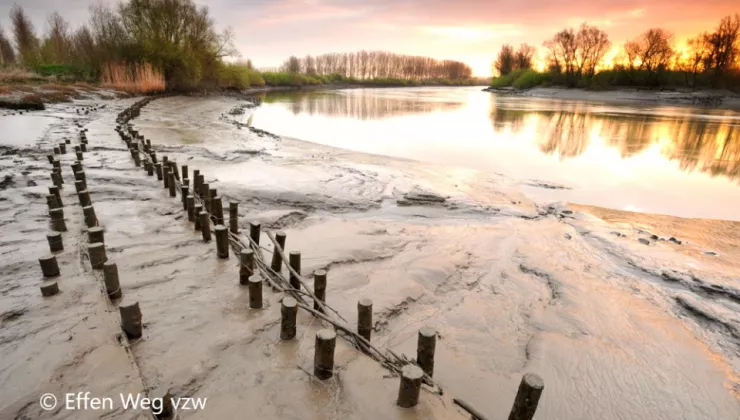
710 145
358 104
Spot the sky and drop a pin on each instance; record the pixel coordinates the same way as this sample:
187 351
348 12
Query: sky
472 31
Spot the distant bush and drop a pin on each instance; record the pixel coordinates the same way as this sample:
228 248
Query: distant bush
507 80
530 78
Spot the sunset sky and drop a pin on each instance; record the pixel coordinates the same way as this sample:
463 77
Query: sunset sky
268 31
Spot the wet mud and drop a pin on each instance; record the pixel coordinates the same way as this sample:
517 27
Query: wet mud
616 328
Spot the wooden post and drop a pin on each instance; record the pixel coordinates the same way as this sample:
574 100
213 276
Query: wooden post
63 148
319 289
56 164
185 171
49 288
255 292
212 194
51 201
288 313
153 155
56 178
51 158
166 176
80 156
190 203
110 277
84 197
295 262
55 190
254 232
323 360
158 167
184 194
131 319
76 167
97 255
49 265
149 168
164 161
197 209
425 346
171 184
57 151
96 234
83 146
174 170
55 241
205 226
234 217
204 195
527 397
80 186
80 176
222 241
277 261
90 218
365 318
408 391
217 210
57 220
196 181
246 265
137 158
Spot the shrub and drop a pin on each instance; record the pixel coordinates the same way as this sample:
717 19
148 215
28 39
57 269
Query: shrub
529 79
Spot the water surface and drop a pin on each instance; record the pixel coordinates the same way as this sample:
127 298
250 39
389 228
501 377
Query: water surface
675 160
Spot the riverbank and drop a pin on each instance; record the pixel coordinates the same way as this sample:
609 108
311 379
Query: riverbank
619 323
711 98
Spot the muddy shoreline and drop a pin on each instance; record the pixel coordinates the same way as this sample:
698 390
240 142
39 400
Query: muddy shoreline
617 328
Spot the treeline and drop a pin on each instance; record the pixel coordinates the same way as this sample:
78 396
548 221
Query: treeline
575 58
175 37
365 65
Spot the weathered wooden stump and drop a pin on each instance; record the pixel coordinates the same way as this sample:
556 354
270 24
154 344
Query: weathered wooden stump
234 217
196 181
254 232
56 178
51 201
96 234
55 241
49 288
171 184
166 176
246 265
294 257
84 197
184 196
63 148
110 278
425 346
527 397
323 360
158 167
185 171
190 203
80 156
222 241
277 261
255 292
131 319
217 210
205 226
80 186
288 315
83 146
149 168
55 190
49 265
91 219
97 255
174 170
408 391
57 220
50 158
197 209
365 318
319 288
57 151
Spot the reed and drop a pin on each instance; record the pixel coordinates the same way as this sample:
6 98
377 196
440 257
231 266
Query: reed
132 78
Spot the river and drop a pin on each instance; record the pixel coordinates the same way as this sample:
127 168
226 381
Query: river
674 160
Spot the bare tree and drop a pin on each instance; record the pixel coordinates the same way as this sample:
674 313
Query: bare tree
563 49
25 38
695 61
523 57
56 46
724 47
505 59
592 44
652 51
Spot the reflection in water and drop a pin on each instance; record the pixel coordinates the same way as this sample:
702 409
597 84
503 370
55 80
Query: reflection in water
708 143
360 104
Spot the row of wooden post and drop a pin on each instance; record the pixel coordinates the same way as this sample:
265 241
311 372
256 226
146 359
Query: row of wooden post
201 215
